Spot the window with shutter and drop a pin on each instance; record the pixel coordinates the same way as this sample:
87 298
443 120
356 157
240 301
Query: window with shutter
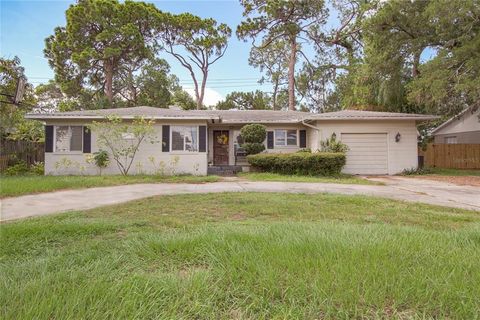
270 140
184 138
285 138
202 138
303 138
68 138
87 140
165 138
49 138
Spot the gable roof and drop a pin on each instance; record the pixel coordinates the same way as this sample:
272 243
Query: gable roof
455 117
229 116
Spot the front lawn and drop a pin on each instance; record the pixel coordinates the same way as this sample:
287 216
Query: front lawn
342 178
11 186
244 256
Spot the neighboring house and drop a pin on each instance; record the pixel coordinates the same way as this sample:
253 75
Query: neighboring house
462 128
193 141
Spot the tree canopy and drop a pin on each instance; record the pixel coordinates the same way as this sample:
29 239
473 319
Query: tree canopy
403 56
256 100
13 125
196 44
109 53
100 37
420 56
270 23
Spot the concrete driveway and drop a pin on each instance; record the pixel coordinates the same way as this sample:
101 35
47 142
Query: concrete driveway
399 188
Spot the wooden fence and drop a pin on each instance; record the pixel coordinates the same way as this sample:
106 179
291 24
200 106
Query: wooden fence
457 156
28 151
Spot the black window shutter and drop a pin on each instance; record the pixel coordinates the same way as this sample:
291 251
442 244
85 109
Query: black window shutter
165 138
202 140
87 140
48 138
303 138
270 140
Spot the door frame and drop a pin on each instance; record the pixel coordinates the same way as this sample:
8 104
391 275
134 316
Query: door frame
227 146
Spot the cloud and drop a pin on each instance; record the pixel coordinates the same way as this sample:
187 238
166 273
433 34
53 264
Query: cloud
211 97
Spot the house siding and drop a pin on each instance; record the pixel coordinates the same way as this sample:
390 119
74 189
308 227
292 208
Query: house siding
149 159
401 155
236 128
468 122
469 137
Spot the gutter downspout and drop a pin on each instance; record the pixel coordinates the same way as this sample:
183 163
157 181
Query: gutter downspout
309 125
318 132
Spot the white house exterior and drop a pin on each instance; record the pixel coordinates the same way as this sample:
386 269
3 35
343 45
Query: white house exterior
462 128
189 142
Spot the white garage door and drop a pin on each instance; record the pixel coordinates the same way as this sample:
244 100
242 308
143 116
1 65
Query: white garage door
368 153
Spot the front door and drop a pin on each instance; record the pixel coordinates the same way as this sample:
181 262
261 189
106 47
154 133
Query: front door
220 147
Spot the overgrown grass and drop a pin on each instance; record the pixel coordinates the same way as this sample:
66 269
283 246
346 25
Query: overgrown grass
342 178
244 255
21 185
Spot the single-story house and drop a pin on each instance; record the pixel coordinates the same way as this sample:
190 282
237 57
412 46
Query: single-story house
192 141
462 128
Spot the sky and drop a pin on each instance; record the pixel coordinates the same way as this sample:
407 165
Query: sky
24 25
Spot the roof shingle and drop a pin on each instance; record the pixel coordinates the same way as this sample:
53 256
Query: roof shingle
231 116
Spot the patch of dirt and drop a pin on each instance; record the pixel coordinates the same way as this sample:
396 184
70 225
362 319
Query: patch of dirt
236 314
458 180
188 271
238 216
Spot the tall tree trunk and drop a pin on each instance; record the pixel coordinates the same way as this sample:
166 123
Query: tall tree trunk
416 63
198 97
109 80
274 95
291 74
132 88
202 90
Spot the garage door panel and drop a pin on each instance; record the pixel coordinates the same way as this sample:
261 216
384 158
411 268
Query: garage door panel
367 154
367 145
377 158
353 154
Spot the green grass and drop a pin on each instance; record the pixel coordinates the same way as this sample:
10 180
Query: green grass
244 255
342 178
455 172
11 186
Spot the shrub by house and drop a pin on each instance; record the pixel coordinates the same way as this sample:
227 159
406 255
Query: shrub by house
300 163
253 136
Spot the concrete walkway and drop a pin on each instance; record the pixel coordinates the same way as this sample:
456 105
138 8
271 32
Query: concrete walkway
399 188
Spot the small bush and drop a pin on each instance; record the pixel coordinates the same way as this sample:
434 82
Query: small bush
17 169
253 136
302 163
101 160
332 145
253 133
253 148
38 168
417 171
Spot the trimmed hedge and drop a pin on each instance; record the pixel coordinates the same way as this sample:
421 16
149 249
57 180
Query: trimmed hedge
253 148
301 163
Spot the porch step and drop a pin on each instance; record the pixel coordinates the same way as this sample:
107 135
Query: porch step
241 161
224 170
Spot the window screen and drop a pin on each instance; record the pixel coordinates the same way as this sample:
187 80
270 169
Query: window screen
68 138
184 138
